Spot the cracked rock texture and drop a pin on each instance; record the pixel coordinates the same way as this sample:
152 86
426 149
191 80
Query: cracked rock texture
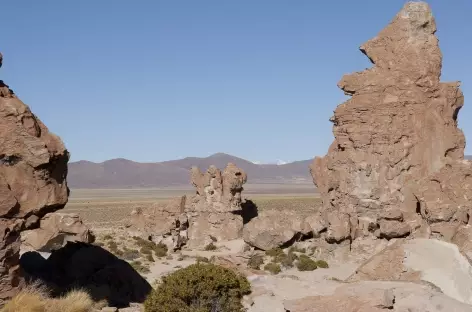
215 212
396 165
33 169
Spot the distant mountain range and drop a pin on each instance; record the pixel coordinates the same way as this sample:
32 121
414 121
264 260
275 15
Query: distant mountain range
123 173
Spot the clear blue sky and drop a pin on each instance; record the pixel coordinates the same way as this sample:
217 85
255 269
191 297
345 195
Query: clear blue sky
152 80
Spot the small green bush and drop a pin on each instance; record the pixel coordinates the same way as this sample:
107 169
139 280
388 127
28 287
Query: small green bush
148 246
305 263
322 264
139 267
273 268
210 247
255 262
112 245
199 288
274 252
288 260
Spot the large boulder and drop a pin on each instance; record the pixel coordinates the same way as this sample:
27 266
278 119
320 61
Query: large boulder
379 297
33 169
215 212
55 230
397 146
429 260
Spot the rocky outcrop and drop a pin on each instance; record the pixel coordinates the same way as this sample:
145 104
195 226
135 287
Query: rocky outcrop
33 169
396 165
378 297
164 222
55 230
429 260
281 228
215 212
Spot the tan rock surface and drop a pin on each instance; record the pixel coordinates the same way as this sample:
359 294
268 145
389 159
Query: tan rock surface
396 134
429 260
215 212
379 296
33 169
55 230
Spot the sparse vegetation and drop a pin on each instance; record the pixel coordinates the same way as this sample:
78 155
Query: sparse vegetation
130 254
139 267
274 252
147 247
305 263
288 260
150 258
199 288
34 299
255 262
107 237
273 268
210 247
322 264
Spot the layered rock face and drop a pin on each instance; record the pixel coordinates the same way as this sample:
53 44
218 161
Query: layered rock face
215 212
396 165
33 169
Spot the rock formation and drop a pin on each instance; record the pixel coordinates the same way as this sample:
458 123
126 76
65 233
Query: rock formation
396 165
55 230
33 169
370 296
281 228
428 260
164 222
215 212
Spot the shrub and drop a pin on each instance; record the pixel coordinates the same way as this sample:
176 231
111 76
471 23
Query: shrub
305 263
108 237
322 264
112 245
255 262
288 260
273 268
210 247
275 252
139 267
34 299
199 288
130 254
148 246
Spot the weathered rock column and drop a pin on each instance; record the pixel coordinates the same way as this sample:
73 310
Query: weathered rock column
215 211
398 128
33 169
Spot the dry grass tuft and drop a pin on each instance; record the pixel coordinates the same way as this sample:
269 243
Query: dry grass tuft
34 298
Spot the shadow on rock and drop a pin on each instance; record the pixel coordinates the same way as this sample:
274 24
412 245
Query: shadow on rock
88 267
249 210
